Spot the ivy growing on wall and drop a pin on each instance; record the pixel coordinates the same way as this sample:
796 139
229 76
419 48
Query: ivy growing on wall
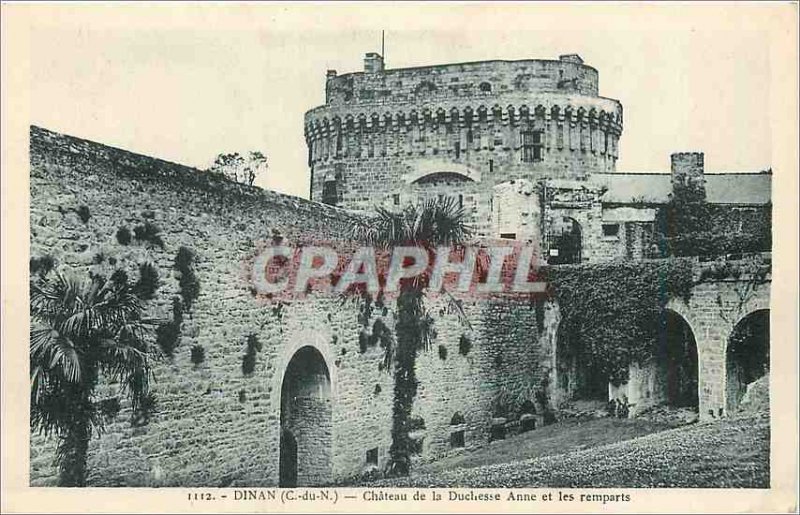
168 334
187 281
689 226
610 311
148 233
252 348
147 284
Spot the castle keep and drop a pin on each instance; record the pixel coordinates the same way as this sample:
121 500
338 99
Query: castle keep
528 148
295 392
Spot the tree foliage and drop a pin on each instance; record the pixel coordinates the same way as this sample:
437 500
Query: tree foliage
428 225
83 329
689 226
241 168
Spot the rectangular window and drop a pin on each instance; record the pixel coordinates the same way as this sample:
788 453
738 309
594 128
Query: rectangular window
372 456
458 149
611 230
329 194
469 135
532 145
460 201
508 235
396 199
457 439
491 165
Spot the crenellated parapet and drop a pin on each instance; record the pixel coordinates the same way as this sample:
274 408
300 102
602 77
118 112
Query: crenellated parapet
389 137
591 124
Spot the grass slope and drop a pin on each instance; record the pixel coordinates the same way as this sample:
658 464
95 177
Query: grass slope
729 453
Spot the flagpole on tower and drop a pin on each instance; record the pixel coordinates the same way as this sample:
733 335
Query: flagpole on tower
383 50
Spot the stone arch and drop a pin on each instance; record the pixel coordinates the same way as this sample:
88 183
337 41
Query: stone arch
575 379
306 420
747 357
436 177
457 419
676 361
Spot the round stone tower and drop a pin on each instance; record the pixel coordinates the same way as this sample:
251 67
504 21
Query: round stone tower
391 137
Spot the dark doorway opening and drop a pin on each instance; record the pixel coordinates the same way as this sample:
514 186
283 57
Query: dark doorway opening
747 357
676 355
288 473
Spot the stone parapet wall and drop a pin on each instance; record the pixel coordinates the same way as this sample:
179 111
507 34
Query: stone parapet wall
213 424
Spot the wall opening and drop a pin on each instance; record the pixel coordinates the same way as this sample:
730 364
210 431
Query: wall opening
288 459
566 241
372 456
576 377
676 360
306 425
747 357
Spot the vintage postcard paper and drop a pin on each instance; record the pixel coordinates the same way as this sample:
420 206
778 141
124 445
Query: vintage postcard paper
438 257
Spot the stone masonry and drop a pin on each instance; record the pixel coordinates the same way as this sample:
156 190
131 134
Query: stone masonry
214 425
388 137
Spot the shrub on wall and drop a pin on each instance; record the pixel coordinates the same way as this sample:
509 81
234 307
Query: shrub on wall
123 236
147 285
187 281
253 347
198 354
83 214
42 265
148 233
464 344
689 226
168 334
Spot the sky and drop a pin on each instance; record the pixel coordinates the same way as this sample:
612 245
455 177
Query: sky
186 85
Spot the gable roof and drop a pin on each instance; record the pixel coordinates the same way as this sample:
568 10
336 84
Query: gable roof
734 188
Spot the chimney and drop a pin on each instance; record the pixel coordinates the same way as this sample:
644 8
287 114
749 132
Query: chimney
688 172
571 58
330 74
373 62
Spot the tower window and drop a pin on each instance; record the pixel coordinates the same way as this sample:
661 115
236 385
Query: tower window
329 194
458 149
396 199
491 165
460 201
611 230
532 143
485 87
469 135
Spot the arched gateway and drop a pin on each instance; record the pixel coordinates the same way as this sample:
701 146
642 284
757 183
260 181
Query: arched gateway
306 425
746 357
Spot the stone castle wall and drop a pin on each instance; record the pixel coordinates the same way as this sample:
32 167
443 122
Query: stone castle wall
385 138
214 425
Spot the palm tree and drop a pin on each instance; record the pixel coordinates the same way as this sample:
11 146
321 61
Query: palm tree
83 331
428 225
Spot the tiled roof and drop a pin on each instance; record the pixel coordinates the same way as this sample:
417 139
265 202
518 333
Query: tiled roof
654 188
